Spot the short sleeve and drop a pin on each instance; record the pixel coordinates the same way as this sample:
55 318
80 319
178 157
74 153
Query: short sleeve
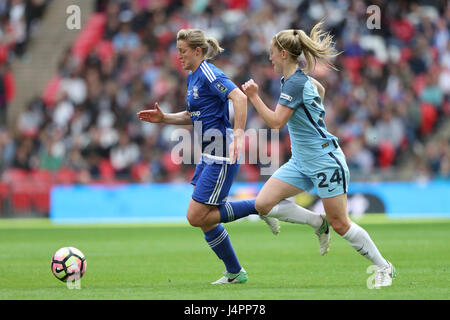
291 95
222 86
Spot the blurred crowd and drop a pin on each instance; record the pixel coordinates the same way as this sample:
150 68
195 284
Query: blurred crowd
390 95
19 19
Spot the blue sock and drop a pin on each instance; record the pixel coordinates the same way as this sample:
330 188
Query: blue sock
220 243
231 211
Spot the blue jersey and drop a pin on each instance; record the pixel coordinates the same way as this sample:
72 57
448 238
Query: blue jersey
308 132
207 102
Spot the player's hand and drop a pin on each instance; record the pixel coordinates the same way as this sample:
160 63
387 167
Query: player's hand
250 88
152 115
236 146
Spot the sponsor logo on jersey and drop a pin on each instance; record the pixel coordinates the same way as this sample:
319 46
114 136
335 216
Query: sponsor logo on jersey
286 97
195 113
219 86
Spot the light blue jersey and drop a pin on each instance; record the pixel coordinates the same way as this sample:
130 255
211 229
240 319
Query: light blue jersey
317 160
309 136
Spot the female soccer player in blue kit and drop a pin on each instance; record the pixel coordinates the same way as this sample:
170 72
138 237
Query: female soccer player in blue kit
317 160
208 94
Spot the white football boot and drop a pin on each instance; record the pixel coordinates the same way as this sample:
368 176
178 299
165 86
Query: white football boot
324 235
273 223
384 276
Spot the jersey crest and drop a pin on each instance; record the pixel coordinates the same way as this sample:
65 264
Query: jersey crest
195 92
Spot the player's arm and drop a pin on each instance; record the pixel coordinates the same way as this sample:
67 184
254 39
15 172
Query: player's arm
179 118
275 119
240 118
320 88
240 108
158 116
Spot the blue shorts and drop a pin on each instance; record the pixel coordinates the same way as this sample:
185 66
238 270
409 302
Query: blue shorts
213 182
328 173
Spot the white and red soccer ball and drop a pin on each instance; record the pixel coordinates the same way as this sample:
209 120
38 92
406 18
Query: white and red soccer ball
68 264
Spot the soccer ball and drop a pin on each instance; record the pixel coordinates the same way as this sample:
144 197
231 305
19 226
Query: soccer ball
68 264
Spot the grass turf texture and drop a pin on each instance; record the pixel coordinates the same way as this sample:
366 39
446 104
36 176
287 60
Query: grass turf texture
161 261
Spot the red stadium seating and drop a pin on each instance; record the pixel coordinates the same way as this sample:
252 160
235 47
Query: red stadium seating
169 165
405 54
4 195
107 172
386 154
28 191
51 90
140 171
19 189
105 50
9 85
3 53
65 176
13 176
90 35
353 65
40 197
42 176
251 172
429 116
21 197
41 182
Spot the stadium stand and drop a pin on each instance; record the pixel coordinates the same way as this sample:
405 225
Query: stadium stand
389 99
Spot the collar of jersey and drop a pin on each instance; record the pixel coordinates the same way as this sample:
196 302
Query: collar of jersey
199 66
282 78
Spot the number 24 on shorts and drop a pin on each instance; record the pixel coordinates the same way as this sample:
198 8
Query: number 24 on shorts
336 177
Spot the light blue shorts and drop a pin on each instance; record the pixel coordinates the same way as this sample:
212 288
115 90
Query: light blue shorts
328 173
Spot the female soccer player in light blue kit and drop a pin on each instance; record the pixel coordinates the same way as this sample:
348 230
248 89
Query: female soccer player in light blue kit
317 160
208 95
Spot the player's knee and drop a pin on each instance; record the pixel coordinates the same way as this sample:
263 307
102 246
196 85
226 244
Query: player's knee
194 219
341 226
263 207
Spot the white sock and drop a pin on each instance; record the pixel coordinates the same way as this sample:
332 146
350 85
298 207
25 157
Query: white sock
288 211
360 240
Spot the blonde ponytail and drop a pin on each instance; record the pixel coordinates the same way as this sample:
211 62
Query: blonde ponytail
318 45
213 48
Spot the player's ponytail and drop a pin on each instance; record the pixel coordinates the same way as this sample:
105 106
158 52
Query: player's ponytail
318 45
213 48
196 38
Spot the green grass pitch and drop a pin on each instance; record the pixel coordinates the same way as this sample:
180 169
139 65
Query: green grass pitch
173 262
